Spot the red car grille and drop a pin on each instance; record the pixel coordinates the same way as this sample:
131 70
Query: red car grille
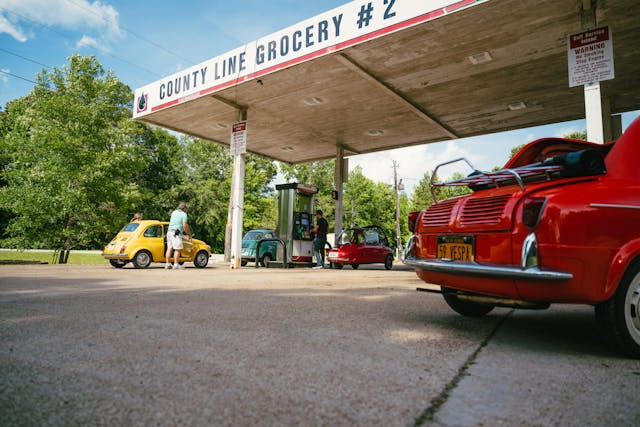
486 211
438 214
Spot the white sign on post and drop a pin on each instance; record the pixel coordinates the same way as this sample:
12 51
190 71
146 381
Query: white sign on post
590 55
239 138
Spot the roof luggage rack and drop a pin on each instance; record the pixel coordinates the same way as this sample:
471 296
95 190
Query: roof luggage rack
577 163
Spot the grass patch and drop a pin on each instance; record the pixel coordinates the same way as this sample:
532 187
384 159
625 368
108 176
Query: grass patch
75 257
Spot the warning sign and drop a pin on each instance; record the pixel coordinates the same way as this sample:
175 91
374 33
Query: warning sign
590 56
239 138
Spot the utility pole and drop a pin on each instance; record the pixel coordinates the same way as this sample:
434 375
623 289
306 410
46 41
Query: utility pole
397 186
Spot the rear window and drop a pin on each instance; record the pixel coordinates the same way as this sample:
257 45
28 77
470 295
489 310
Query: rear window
133 226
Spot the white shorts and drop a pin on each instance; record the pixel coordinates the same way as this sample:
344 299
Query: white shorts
173 241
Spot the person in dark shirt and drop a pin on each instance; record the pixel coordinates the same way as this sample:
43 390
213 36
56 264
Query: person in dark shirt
321 228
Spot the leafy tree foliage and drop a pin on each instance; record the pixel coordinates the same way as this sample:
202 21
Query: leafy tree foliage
368 203
70 153
422 197
207 186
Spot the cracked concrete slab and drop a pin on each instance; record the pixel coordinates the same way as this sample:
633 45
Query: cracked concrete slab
546 368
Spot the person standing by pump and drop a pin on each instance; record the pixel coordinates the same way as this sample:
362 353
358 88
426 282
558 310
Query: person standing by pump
178 226
321 228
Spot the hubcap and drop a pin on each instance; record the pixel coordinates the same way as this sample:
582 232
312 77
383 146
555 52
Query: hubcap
201 258
632 308
143 259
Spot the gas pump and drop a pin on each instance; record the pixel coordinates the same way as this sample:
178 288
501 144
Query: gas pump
295 221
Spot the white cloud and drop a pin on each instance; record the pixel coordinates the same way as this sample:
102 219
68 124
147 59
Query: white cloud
9 28
95 17
87 41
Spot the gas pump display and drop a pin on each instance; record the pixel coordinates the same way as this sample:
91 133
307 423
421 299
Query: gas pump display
303 224
295 221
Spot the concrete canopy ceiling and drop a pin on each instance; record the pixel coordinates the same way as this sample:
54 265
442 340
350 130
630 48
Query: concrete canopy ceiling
420 85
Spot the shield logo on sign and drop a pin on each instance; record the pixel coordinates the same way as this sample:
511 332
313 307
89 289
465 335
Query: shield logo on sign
142 103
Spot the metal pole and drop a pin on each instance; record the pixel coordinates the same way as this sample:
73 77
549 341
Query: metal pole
338 179
239 161
397 197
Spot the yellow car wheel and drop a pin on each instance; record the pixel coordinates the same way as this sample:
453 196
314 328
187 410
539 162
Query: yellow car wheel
201 260
142 259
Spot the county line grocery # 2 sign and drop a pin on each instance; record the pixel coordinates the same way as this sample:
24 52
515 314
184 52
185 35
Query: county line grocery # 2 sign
337 29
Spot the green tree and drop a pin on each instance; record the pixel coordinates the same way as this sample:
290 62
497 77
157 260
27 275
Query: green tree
577 135
515 150
368 203
422 197
207 186
70 158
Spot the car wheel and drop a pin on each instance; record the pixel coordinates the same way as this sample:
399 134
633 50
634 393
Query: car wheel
117 263
355 266
244 262
618 318
338 266
466 308
201 260
388 262
266 259
142 259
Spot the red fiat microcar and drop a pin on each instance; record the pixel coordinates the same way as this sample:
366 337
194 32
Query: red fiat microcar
361 245
560 223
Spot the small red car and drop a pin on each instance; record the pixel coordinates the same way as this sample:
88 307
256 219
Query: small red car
361 245
560 223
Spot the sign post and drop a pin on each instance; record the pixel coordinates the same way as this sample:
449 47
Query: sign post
238 150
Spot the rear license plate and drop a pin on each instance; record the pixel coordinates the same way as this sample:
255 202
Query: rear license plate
456 248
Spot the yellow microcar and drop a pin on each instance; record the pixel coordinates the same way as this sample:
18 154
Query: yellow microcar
144 242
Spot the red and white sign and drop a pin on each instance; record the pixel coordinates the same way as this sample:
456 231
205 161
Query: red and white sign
239 138
590 56
345 26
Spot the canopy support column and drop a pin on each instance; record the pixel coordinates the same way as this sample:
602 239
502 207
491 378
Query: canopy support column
339 177
239 161
597 114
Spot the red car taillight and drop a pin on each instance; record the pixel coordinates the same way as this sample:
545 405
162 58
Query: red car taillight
532 210
413 216
123 248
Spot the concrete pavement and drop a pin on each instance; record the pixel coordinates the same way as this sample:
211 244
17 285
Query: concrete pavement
92 345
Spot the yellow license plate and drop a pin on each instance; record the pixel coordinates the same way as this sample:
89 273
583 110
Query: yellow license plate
456 248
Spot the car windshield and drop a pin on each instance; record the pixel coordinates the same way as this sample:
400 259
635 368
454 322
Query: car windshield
372 237
253 235
131 227
347 236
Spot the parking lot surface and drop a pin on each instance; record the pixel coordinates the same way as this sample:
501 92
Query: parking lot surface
93 345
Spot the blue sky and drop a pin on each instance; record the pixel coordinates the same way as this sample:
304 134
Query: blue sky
142 41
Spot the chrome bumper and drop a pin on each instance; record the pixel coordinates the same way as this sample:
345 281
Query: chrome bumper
486 270
115 256
528 269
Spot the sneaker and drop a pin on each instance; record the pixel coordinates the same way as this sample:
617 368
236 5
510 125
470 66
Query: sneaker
177 266
318 266
167 266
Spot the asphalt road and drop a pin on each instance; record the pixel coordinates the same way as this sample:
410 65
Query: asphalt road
93 345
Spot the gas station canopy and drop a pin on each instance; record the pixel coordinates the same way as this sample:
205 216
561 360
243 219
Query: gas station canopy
383 74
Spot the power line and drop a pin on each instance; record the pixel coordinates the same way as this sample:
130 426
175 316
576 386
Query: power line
151 42
102 51
25 58
18 77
